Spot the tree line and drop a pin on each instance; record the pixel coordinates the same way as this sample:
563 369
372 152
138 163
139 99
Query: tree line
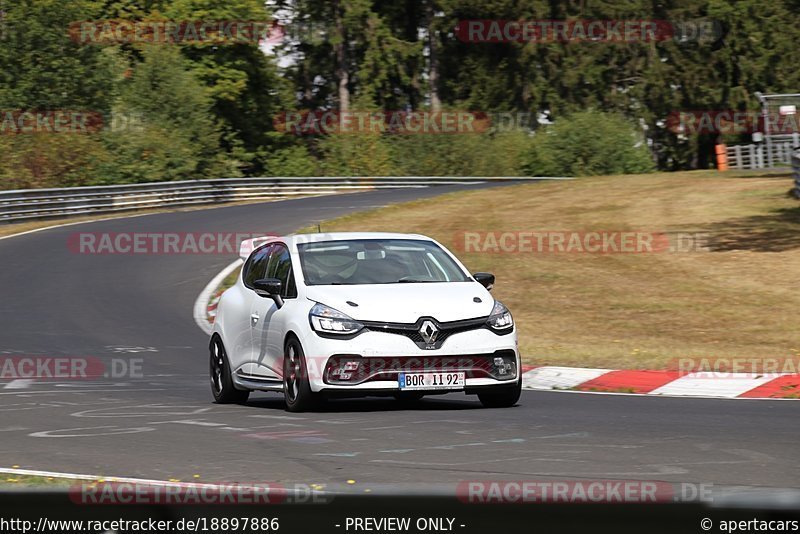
189 110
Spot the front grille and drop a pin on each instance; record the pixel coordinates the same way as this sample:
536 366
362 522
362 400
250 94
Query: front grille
387 368
412 330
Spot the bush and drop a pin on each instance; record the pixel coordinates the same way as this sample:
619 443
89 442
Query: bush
49 160
589 143
474 154
358 154
373 154
292 161
170 132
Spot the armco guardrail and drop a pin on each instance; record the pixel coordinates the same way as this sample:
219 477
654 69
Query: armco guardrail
32 204
796 171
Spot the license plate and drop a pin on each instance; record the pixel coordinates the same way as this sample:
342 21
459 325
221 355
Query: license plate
431 381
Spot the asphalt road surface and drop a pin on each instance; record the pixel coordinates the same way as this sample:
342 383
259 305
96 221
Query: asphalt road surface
163 424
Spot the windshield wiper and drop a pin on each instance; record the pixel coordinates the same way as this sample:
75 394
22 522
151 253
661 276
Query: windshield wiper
412 281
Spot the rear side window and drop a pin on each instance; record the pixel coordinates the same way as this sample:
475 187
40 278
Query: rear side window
280 267
256 266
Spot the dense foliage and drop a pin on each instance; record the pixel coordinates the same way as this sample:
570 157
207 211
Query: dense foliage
589 143
190 110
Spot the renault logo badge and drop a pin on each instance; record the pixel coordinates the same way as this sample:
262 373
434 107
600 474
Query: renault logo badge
429 332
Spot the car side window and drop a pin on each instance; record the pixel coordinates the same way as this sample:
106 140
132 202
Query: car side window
280 267
256 266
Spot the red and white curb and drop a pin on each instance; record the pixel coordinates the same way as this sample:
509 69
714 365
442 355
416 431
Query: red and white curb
664 383
205 307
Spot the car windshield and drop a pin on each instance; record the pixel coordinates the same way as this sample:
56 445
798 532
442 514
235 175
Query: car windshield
377 261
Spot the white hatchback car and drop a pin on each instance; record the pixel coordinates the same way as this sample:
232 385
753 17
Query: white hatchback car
354 314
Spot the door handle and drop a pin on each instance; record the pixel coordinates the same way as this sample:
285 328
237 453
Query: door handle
254 317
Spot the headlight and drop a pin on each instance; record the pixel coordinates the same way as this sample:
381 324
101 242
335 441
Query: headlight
500 319
326 320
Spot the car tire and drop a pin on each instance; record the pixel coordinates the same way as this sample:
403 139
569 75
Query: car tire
501 397
220 374
296 388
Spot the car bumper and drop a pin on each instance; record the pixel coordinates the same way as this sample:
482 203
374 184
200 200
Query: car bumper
470 352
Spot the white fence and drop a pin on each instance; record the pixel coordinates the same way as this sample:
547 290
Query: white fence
796 172
31 204
761 155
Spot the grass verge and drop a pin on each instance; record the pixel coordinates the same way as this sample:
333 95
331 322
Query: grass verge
738 298
9 481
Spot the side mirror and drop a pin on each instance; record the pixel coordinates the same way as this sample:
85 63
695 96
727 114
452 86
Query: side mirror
269 288
485 279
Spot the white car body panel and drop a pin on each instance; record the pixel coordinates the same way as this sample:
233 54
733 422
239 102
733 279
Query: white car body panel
255 349
405 303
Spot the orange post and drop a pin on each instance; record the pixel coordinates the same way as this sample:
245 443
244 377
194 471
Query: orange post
722 157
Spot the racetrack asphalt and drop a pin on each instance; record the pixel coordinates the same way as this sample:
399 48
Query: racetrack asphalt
163 424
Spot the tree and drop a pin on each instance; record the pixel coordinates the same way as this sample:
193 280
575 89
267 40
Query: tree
242 82
173 134
42 70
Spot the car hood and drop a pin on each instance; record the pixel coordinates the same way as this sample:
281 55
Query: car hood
405 303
